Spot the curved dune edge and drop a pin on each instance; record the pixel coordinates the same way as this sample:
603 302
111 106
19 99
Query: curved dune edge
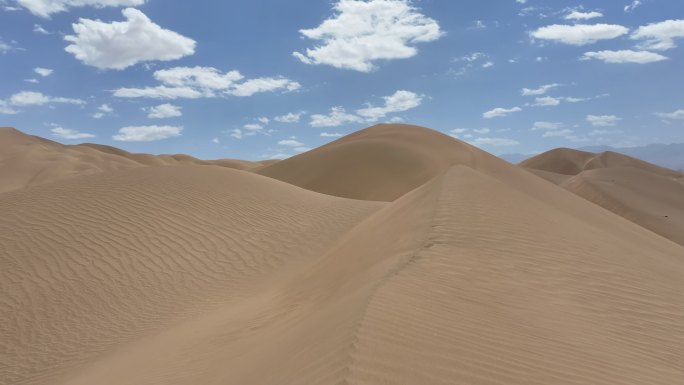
380 163
96 262
198 274
510 290
646 194
27 161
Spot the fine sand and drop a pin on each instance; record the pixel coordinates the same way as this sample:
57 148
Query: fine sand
452 267
31 161
648 195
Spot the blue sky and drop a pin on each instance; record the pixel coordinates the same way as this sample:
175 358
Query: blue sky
272 78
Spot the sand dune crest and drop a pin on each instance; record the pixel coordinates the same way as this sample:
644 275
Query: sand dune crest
473 270
646 194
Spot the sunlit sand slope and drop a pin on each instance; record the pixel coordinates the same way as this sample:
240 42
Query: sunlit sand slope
91 263
646 194
381 163
482 274
27 160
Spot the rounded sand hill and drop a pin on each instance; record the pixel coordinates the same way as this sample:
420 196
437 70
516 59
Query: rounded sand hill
644 193
27 160
482 273
380 163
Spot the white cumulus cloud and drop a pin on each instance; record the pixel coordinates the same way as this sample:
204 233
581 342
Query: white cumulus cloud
579 34
579 15
500 112
204 78
291 143
547 101
625 56
147 133
44 72
66 133
337 117
37 28
331 135
102 111
9 47
291 117
30 98
45 8
660 36
237 133
159 92
539 91
206 82
163 111
6 109
679 114
119 45
400 101
259 85
253 127
632 6
363 32
603 120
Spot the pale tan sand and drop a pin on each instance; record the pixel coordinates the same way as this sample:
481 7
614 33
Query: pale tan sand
30 161
484 274
95 262
380 163
646 194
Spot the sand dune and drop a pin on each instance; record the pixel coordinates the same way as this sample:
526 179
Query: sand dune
646 194
567 161
106 259
191 274
30 161
380 163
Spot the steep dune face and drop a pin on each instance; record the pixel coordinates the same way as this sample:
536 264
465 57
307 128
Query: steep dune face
482 274
646 194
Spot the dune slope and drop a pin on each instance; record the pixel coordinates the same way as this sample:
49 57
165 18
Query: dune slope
646 194
92 262
27 160
510 291
568 161
482 274
380 163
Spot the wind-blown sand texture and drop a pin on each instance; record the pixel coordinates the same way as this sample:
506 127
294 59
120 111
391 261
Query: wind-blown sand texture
198 274
30 161
646 194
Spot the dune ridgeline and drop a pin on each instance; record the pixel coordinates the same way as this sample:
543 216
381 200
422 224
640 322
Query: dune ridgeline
395 255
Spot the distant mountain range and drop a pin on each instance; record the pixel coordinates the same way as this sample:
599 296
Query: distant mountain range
665 155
